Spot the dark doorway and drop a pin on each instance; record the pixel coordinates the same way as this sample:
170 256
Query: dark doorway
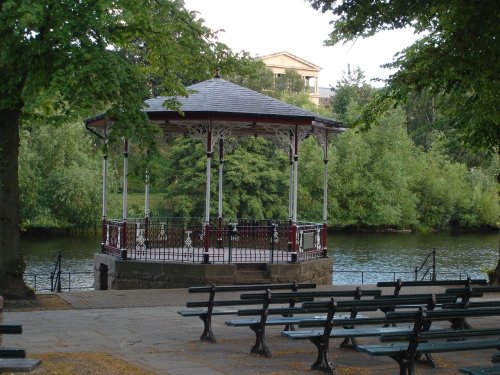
103 277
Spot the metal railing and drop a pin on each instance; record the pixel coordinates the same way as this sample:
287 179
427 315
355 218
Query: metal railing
432 267
68 281
239 240
56 273
371 277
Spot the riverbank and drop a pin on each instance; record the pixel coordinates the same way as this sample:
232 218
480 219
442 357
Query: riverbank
141 329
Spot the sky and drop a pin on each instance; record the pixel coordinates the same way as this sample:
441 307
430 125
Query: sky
263 27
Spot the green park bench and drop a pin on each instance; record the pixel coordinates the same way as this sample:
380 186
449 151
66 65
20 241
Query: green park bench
14 359
321 337
288 314
405 348
399 284
205 309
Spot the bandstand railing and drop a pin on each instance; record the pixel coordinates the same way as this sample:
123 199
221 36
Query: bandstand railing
233 241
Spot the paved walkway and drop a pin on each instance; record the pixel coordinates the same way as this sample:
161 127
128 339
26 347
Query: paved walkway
143 327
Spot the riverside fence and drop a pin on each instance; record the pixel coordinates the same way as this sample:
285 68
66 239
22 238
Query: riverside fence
84 280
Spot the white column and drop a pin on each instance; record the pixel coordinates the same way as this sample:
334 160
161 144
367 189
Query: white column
209 165
125 174
146 195
295 174
290 189
325 179
104 185
221 168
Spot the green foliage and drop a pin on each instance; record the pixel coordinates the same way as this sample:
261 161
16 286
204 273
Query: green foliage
456 58
254 180
452 195
250 72
351 92
289 82
60 180
373 173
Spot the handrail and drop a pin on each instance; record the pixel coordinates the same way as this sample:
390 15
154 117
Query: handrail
39 281
432 266
57 273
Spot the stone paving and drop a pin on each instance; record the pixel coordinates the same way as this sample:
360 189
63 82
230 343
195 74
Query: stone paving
143 327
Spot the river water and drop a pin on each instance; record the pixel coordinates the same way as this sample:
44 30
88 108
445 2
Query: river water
358 258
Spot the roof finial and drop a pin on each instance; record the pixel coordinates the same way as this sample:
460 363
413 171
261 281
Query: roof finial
217 73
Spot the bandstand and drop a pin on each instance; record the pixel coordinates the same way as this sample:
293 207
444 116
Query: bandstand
159 252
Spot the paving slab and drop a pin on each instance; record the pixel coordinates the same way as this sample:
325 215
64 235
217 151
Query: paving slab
143 327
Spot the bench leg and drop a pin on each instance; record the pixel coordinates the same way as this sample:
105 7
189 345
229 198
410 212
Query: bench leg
322 363
345 343
406 366
207 334
460 323
260 348
429 360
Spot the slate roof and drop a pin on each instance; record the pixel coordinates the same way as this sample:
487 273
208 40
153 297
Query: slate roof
217 96
219 100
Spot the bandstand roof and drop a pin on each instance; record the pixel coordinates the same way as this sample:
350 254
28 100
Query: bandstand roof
239 109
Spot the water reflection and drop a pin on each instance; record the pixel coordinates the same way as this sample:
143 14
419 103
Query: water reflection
386 256
77 260
456 255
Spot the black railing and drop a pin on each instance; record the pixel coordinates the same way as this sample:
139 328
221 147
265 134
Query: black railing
432 267
78 280
190 240
372 277
55 275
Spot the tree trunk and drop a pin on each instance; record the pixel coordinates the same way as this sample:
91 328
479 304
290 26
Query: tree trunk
11 259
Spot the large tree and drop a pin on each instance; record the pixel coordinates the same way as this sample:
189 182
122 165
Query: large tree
64 58
455 59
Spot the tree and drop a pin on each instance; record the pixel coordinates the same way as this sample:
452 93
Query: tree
65 59
456 58
290 82
59 177
351 90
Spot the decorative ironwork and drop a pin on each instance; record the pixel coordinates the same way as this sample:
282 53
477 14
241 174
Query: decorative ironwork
140 239
163 233
275 237
188 243
182 240
234 232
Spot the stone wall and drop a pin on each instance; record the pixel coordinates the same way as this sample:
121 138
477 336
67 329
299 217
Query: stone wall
112 273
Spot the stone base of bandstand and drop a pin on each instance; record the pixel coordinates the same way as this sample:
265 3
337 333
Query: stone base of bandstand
113 273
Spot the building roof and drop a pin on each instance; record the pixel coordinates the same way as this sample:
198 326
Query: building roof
229 104
291 56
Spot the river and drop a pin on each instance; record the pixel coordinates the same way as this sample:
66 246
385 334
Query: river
358 258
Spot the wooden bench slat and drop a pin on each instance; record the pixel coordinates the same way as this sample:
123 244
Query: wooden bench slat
342 333
429 347
249 287
11 329
431 283
481 370
315 294
444 334
338 319
18 364
12 353
187 313
224 303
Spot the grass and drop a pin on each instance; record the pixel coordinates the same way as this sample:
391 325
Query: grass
137 199
85 363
